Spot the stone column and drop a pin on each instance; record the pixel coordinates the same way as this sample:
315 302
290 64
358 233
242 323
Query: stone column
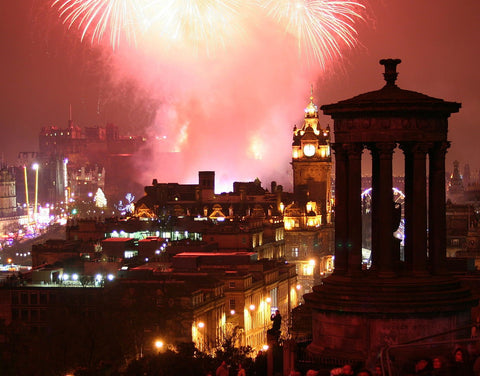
384 206
341 173
416 207
436 213
374 220
354 207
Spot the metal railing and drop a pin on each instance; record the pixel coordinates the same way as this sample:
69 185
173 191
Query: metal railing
399 359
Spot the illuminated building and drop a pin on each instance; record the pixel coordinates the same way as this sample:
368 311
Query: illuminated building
98 157
202 297
456 189
8 202
178 308
252 291
308 219
86 180
248 199
141 241
9 217
134 311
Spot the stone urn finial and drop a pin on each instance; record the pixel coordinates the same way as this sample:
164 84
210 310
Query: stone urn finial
390 74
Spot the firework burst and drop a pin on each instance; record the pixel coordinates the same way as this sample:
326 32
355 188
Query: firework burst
322 28
202 25
117 18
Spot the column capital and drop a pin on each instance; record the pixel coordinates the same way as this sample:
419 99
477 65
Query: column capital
354 150
338 148
416 148
382 149
440 147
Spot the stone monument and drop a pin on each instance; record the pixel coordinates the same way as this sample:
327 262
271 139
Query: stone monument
401 297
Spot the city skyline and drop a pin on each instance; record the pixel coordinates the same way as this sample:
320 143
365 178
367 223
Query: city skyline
47 68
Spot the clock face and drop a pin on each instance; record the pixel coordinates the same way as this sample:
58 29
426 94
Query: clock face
309 150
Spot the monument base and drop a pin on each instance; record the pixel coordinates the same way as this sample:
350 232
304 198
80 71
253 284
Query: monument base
353 318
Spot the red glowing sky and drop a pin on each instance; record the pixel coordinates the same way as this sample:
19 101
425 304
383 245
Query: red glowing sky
234 113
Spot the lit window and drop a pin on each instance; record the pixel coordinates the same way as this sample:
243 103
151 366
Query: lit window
130 254
307 269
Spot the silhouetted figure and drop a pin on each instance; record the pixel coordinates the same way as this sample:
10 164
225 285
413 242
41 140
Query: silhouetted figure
261 364
277 323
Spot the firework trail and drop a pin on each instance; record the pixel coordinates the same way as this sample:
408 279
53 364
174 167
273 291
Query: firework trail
321 28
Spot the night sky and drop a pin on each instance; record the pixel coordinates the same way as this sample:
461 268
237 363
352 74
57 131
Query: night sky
232 114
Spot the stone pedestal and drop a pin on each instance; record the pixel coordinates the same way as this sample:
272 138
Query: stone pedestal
354 318
356 312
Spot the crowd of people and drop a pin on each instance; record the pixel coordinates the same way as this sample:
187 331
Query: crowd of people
346 370
463 362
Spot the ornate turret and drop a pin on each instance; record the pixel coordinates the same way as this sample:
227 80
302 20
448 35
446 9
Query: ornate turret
311 162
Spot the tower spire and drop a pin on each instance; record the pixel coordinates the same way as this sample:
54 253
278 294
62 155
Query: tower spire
70 121
311 110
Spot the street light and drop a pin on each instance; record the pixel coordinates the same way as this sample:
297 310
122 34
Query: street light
201 335
26 193
158 344
35 167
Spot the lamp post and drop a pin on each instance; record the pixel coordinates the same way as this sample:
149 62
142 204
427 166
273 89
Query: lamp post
35 208
26 193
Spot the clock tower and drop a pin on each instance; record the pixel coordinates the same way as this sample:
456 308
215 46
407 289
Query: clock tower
312 165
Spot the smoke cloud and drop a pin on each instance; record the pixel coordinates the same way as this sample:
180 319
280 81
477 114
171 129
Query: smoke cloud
232 111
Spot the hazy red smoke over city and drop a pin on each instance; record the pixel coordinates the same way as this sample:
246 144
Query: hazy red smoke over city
226 101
